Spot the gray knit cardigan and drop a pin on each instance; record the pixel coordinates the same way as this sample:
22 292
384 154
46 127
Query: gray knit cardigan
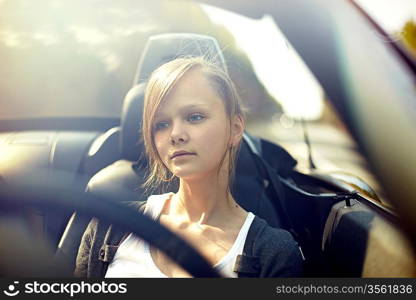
268 252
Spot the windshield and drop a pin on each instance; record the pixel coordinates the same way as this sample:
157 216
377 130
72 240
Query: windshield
79 59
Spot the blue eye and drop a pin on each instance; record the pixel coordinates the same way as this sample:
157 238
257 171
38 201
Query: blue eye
160 125
195 117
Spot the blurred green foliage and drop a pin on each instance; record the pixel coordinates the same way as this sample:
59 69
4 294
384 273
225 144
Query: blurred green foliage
408 33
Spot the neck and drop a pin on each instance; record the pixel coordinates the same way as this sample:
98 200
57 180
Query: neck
203 201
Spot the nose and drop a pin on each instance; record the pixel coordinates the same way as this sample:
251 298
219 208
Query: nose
178 134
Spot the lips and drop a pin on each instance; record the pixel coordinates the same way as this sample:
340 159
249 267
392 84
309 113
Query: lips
180 153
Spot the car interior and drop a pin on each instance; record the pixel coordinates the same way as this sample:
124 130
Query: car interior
127 171
341 230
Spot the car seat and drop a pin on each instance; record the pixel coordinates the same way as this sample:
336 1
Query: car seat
128 173
345 238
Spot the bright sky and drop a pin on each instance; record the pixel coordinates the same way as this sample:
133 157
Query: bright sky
278 67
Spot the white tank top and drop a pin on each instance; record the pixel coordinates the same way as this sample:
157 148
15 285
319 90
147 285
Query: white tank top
133 258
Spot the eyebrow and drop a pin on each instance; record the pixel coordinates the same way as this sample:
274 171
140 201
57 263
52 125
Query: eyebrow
191 106
185 108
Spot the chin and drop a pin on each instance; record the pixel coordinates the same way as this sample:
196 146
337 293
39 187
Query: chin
189 175
195 175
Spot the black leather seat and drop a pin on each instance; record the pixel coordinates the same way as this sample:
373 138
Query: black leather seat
128 172
345 238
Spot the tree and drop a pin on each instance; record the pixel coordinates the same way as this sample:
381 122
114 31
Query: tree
408 33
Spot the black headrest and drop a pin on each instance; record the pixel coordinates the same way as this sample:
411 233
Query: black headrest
130 141
158 50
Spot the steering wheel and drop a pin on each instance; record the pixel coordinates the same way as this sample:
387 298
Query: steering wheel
59 192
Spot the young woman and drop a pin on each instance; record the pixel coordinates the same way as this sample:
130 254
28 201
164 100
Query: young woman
192 129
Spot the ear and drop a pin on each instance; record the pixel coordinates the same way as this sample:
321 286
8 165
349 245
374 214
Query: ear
237 130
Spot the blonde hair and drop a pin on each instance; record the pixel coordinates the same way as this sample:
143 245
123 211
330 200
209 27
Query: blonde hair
160 83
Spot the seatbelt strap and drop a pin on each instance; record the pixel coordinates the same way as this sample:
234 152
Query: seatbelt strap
271 176
279 202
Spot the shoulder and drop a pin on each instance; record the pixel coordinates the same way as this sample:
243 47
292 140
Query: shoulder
271 237
151 200
138 205
97 235
97 230
278 252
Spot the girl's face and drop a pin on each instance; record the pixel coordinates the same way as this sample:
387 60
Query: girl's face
191 129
